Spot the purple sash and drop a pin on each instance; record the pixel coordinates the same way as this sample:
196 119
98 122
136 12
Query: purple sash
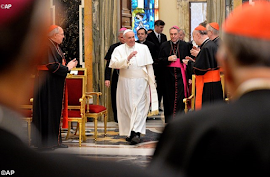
178 64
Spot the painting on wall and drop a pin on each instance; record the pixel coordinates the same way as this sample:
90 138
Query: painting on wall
144 14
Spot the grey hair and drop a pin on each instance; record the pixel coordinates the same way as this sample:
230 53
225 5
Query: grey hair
183 31
202 32
53 32
121 32
215 32
248 51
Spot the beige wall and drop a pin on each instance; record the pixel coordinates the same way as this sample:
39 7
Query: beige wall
175 12
168 12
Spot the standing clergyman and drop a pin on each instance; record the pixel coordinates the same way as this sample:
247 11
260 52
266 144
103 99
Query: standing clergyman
136 81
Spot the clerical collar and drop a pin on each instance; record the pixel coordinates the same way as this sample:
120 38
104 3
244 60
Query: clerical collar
59 51
216 38
53 42
175 42
251 85
204 42
142 42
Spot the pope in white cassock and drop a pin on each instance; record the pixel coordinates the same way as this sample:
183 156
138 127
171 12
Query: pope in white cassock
136 88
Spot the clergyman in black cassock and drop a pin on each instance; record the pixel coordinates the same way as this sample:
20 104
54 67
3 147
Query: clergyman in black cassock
108 72
205 62
175 77
206 69
48 100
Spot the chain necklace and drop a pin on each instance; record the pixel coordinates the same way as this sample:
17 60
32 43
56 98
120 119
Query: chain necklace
58 50
175 53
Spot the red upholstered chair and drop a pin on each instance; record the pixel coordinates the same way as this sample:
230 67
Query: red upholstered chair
80 71
76 86
95 110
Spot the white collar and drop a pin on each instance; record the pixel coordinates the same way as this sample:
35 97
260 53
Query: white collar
251 85
142 41
205 40
156 33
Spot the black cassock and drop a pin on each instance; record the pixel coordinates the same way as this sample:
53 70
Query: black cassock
217 41
114 80
47 106
172 82
219 140
206 62
151 47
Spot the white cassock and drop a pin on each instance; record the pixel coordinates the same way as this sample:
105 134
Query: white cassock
135 84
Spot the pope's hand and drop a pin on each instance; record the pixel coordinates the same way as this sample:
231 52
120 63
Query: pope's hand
132 54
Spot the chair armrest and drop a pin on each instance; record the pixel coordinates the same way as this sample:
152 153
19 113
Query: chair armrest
82 98
185 101
93 93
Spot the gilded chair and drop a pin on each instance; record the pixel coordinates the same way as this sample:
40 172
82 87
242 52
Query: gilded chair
190 101
76 86
27 113
80 71
95 111
27 109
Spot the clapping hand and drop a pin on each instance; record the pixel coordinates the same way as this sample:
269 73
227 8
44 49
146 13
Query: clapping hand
72 64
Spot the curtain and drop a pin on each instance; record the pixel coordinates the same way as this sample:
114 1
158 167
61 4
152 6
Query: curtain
104 35
216 11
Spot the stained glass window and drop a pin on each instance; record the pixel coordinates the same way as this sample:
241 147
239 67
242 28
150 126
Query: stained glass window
144 14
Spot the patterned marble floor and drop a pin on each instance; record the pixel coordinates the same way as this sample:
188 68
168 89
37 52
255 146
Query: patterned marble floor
114 147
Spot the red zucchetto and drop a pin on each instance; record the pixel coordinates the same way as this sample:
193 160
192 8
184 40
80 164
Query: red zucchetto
214 25
200 28
52 27
250 21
